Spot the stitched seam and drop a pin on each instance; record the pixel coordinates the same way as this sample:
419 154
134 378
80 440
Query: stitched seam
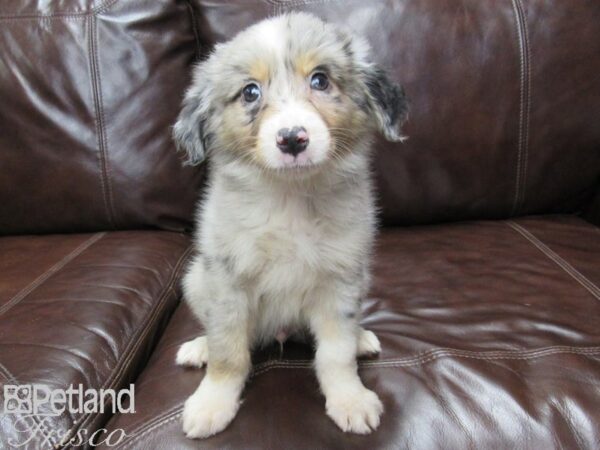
151 426
144 426
99 119
521 109
274 8
103 7
281 6
562 263
51 271
7 375
263 367
107 169
518 354
91 27
81 15
524 99
492 357
135 342
176 413
444 353
528 104
192 12
527 111
146 433
292 3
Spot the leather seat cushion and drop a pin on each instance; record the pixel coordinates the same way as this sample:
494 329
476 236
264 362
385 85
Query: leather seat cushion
490 335
82 309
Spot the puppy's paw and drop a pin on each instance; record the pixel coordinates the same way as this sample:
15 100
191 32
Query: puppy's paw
208 412
368 344
355 412
193 353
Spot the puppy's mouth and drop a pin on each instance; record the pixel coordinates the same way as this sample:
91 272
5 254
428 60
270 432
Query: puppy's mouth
302 161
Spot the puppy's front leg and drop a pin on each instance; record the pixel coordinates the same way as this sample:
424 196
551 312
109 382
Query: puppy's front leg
216 401
352 407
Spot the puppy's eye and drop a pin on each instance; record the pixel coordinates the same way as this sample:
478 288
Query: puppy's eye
319 81
251 92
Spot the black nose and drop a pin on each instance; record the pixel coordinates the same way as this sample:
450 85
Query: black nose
292 141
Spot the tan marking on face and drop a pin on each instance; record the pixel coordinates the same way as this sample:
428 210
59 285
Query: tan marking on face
259 71
240 136
345 122
305 63
235 134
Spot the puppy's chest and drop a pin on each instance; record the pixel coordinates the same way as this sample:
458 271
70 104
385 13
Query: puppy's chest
290 240
284 243
292 246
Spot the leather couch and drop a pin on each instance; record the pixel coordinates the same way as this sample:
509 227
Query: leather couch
486 289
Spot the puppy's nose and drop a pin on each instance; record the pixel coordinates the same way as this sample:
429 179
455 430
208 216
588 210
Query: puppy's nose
292 141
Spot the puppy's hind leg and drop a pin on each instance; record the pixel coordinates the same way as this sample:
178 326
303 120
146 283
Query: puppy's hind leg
193 353
368 344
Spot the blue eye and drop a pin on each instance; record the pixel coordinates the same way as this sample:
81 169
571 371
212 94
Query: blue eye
319 81
251 92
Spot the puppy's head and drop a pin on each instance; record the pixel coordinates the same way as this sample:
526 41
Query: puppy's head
288 94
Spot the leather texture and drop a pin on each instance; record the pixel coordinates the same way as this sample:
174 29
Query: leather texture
81 309
490 341
89 93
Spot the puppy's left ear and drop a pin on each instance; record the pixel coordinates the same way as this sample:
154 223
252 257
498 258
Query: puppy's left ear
387 102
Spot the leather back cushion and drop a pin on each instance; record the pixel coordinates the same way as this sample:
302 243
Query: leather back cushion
89 91
505 100
504 95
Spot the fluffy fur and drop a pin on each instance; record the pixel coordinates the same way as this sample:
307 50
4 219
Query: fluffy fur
284 240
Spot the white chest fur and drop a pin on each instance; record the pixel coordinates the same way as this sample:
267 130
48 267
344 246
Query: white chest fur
282 243
285 239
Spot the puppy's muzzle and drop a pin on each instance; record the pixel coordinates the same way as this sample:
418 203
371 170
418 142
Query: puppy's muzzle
292 141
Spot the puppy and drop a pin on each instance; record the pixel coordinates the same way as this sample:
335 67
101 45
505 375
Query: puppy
285 113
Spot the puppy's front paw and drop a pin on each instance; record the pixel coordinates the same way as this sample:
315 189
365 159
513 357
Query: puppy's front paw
193 353
355 412
208 412
368 344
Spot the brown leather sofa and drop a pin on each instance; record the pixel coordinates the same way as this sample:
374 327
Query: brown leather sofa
486 293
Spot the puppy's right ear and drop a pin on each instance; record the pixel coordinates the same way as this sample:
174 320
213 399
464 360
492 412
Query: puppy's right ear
189 131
